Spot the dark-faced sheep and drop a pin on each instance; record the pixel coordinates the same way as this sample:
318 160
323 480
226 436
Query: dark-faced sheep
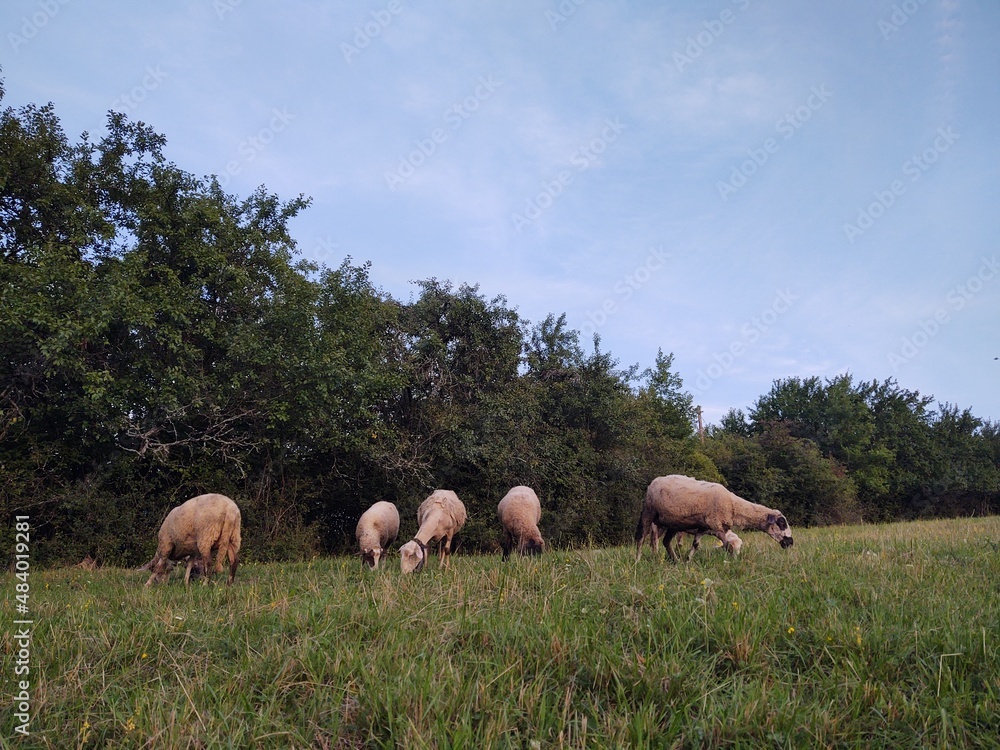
194 530
439 517
677 504
520 512
377 528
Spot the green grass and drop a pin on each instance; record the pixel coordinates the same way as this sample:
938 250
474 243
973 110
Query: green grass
873 636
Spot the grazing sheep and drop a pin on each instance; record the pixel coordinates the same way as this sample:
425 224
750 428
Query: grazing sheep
520 511
732 543
378 527
677 504
193 530
194 567
440 516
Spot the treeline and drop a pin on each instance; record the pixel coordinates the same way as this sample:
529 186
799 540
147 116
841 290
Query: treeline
160 339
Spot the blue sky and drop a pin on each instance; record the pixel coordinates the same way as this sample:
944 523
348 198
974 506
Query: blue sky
765 189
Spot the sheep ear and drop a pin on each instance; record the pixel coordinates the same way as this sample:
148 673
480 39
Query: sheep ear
771 518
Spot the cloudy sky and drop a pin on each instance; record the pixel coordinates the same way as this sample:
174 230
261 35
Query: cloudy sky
767 189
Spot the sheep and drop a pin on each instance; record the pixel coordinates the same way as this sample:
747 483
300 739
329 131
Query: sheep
377 528
677 503
520 511
194 567
732 543
440 516
193 530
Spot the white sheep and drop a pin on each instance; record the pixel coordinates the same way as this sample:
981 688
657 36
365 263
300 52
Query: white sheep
731 544
677 503
194 566
440 517
193 530
377 528
520 511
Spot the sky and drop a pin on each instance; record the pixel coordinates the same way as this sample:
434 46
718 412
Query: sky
766 190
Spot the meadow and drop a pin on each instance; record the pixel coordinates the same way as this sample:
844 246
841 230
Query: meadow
862 636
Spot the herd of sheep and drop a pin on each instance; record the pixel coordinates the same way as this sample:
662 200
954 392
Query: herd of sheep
209 525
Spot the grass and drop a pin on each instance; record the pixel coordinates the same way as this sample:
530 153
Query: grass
869 636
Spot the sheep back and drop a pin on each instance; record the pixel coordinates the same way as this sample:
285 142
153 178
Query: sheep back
377 528
442 513
520 512
679 503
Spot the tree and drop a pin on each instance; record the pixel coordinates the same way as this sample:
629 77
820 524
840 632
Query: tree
673 406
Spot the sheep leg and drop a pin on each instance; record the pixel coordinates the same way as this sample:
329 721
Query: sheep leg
694 545
506 544
668 537
220 556
666 540
233 562
206 557
655 533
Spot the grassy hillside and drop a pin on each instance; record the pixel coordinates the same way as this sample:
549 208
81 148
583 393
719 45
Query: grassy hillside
875 636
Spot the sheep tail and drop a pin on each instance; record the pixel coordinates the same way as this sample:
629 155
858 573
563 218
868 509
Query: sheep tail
640 528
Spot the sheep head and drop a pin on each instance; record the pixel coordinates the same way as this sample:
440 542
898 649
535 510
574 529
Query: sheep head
160 569
370 556
732 543
412 556
532 546
777 528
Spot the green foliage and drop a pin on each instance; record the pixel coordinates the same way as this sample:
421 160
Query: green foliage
886 454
